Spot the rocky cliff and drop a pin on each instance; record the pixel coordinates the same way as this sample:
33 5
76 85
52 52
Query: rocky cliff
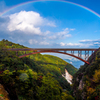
68 77
86 81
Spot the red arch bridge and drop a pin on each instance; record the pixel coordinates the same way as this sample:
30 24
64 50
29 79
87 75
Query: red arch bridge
74 52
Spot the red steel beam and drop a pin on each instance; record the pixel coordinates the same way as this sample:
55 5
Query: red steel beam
55 52
60 49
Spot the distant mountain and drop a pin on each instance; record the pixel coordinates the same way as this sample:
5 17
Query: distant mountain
75 63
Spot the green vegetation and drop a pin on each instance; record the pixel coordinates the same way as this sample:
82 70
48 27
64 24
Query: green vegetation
35 77
2 95
86 81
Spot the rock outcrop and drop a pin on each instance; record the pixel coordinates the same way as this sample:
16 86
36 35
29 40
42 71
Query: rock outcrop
68 77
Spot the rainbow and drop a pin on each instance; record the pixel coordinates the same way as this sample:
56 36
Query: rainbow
51 0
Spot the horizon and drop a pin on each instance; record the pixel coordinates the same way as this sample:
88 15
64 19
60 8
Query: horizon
76 58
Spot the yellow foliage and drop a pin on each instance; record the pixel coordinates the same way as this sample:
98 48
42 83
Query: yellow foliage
88 98
6 72
22 71
88 83
96 76
32 73
66 96
90 91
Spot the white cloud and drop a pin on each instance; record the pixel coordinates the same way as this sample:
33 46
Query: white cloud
85 41
52 24
72 29
62 44
66 29
47 32
28 22
97 43
91 42
39 42
44 43
70 44
82 43
64 33
75 45
31 41
61 35
53 37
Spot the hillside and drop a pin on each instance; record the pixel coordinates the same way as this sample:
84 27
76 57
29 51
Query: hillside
35 77
86 82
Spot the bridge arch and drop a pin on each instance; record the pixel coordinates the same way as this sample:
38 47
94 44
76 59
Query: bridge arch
56 52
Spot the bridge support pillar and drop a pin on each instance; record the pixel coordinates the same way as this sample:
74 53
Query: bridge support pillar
72 52
80 54
86 55
65 51
91 52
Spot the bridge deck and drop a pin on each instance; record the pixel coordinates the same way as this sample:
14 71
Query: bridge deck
57 50
60 49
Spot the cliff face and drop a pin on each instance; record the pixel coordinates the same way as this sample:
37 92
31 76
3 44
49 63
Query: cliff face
3 93
86 81
68 77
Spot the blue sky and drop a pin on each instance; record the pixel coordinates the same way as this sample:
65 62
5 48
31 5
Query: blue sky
51 24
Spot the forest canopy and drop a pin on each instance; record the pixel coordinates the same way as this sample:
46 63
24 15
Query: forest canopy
35 77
